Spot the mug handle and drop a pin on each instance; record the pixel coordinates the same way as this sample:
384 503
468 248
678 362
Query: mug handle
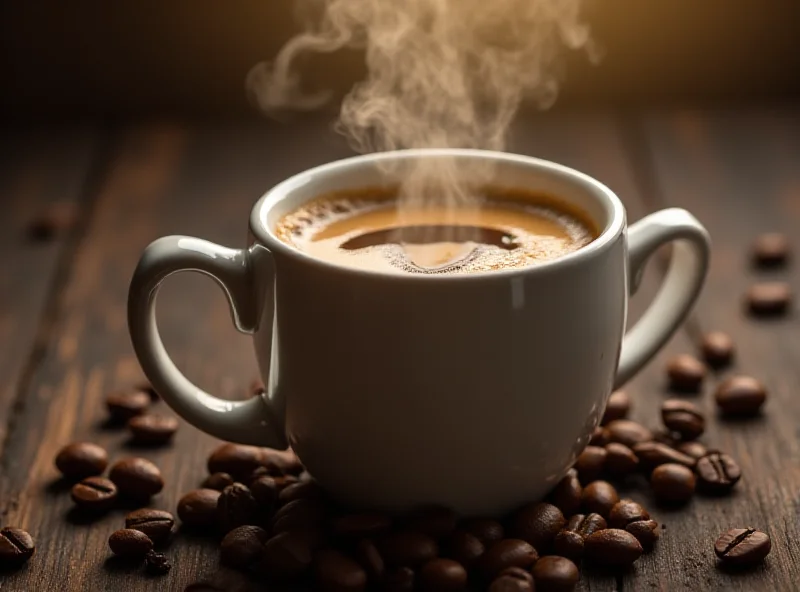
245 422
681 286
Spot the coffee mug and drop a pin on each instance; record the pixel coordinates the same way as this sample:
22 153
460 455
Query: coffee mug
474 391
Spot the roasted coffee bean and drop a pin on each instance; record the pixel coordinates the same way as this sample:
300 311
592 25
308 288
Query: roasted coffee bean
442 575
599 497
130 543
742 547
284 481
694 449
16 547
672 483
435 521
148 388
741 396
198 508
360 525
81 459
666 437
654 454
686 373
628 432
238 460
369 557
157 564
718 349
265 491
626 511
299 514
717 473
590 463
617 407
407 548
487 530
281 462
236 506
152 430
309 489
600 437
566 496
136 477
555 574
769 299
288 555
95 494
537 524
504 554
645 531
770 249
612 548
588 524
218 481
684 418
513 579
156 524
620 460
123 406
465 547
568 544
336 572
400 579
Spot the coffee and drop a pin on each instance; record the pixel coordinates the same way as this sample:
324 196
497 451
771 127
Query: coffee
503 229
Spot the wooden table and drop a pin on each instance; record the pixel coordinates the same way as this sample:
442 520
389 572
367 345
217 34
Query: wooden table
64 342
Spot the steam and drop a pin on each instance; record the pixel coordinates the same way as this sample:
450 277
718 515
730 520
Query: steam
441 74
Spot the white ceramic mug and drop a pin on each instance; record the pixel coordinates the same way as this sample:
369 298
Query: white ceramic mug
474 391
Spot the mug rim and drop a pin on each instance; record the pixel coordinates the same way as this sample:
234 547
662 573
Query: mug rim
267 237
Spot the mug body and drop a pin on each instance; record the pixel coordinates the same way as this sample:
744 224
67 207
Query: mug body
473 391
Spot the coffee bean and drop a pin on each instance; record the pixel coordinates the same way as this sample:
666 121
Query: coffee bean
617 407
236 506
265 491
504 554
513 579
157 564
363 524
309 489
400 579
336 572
717 349
666 437
599 497
284 481
156 524
299 514
123 406
566 496
600 437
256 387
407 548
741 396
684 418
620 460
568 544
626 511
435 521
487 530
442 575
288 555
537 524
627 432
742 547
588 524
555 574
769 298
685 373
717 473
136 477
369 557
672 483
770 249
590 463
152 430
218 481
16 547
198 508
237 460
95 494
693 449
283 462
465 547
130 543
148 388
645 531
654 454
81 459
612 548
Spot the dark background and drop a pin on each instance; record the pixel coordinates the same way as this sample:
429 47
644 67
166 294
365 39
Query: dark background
122 58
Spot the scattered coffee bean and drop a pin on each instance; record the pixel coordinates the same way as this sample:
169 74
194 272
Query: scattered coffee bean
148 388
599 497
465 547
666 437
299 514
336 572
654 454
600 437
590 463
284 481
612 548
95 494
627 432
694 449
130 543
136 477
770 249
436 521
81 459
156 524
360 525
504 554
408 548
645 531
236 506
555 574
265 490
684 418
309 489
152 430
717 473
370 559
442 575
281 462
566 496
743 547
288 555
157 564
513 579
741 396
238 460
769 298
717 349
124 406
588 524
568 544
672 483
218 481
626 511
685 373
16 547
400 579
487 530
198 508
617 407
620 460
537 524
